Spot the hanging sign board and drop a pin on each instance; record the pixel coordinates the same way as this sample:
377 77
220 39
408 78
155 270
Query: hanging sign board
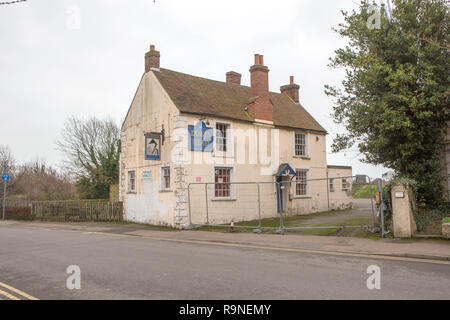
152 146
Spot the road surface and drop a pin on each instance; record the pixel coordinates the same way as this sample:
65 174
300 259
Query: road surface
34 260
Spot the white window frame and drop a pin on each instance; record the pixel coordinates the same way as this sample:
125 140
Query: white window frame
307 143
232 186
347 187
230 140
162 181
128 181
308 183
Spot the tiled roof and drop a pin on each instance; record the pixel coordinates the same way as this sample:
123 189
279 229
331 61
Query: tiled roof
202 96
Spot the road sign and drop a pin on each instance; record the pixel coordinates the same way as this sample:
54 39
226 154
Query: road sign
5 178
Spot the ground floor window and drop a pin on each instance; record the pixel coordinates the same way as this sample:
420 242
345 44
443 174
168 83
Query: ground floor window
331 185
301 182
222 179
131 185
165 178
344 184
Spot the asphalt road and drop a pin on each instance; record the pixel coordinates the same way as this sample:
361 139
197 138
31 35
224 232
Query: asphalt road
125 267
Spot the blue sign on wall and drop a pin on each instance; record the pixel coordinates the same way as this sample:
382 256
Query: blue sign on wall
200 137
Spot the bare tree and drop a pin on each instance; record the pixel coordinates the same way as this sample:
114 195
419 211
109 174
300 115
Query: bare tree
7 165
91 148
38 181
7 161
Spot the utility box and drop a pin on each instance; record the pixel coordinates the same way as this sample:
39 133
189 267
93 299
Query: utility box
402 214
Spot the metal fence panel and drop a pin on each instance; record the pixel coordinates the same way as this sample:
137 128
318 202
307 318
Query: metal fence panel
222 203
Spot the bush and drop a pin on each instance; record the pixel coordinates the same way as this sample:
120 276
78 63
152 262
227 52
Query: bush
18 214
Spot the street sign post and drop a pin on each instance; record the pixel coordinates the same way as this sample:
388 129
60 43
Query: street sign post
5 178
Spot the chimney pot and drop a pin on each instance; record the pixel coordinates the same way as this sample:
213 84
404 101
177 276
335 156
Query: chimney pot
233 77
291 90
261 108
152 59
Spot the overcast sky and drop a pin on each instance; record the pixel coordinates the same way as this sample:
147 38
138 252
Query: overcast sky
53 66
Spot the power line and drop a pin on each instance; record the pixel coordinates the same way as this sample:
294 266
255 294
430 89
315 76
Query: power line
11 2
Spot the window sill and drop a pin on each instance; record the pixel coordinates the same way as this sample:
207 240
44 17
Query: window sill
166 191
223 199
131 192
222 155
301 197
303 157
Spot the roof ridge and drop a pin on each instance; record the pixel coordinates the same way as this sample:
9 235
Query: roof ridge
199 95
218 81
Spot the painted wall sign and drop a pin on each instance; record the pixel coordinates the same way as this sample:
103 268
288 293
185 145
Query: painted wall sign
200 137
147 176
400 194
198 179
152 146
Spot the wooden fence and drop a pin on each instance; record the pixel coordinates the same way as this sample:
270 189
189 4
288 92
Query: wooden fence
72 210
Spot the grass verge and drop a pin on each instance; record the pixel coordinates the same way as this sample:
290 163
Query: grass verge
307 221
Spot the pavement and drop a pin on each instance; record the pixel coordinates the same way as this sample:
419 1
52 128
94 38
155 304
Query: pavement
137 262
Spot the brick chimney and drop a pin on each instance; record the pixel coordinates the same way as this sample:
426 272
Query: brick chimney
291 90
234 77
151 59
261 108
